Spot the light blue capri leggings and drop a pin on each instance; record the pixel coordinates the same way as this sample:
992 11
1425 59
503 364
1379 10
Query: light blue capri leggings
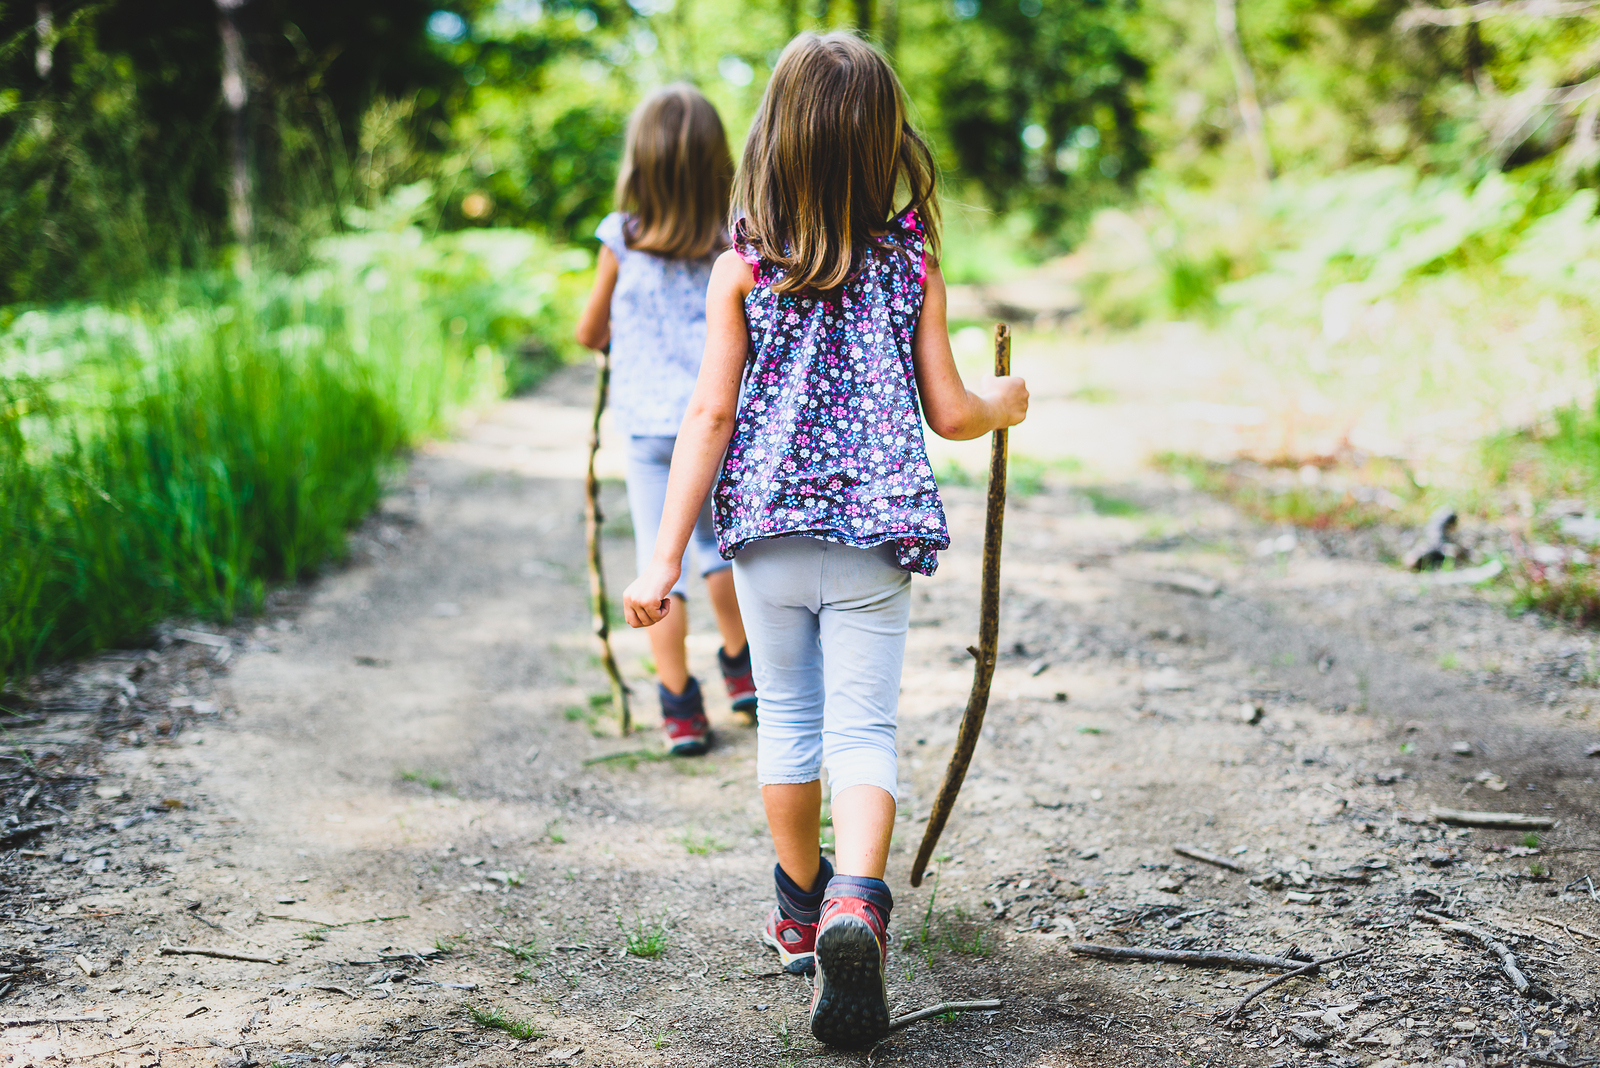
827 628
649 460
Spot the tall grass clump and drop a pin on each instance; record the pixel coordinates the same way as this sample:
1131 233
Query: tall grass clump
179 453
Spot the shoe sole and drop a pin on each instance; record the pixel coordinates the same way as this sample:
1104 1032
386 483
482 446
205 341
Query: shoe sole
746 704
851 1010
793 963
690 748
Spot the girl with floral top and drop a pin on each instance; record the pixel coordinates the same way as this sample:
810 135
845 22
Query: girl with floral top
649 306
826 347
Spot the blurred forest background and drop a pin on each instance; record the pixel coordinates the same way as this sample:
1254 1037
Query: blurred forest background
252 249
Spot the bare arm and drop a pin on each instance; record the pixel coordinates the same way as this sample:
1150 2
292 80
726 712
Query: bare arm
594 324
953 411
702 439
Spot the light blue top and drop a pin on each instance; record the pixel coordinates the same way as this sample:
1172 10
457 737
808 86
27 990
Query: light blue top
658 334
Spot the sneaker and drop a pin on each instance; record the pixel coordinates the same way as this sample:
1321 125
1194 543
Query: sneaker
796 943
736 676
849 1004
683 718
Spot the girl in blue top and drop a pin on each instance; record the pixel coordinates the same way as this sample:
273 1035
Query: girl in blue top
826 347
649 305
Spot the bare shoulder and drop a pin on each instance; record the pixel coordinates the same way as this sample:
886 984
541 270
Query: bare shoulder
732 271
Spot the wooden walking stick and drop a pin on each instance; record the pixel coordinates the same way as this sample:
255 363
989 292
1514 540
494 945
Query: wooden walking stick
988 631
593 519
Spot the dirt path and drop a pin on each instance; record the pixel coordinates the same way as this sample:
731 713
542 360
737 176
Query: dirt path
391 788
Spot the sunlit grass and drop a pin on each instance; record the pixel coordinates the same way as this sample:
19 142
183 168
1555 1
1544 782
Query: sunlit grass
178 455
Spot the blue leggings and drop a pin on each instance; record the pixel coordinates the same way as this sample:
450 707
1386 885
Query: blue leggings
649 460
827 628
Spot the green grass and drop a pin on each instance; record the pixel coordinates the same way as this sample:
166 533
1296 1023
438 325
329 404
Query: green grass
497 1019
701 844
432 780
1108 504
1025 475
644 939
529 951
180 453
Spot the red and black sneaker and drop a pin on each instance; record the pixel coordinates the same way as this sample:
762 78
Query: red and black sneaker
740 682
849 1004
683 718
796 943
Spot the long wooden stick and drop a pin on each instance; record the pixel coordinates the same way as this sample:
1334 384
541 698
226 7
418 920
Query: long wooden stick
220 954
1197 958
593 519
943 1007
988 631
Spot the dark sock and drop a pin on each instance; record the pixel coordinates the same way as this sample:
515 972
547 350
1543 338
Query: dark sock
801 906
874 892
735 665
679 705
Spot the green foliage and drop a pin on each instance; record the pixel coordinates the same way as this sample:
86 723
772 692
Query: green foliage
115 144
1036 106
176 454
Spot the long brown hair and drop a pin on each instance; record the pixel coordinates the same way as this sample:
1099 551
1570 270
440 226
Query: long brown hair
829 148
676 174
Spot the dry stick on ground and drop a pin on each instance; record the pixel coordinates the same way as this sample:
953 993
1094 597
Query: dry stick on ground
1309 969
29 1021
593 519
1513 821
1197 958
943 1007
220 954
988 630
1570 928
17 834
1508 960
1196 853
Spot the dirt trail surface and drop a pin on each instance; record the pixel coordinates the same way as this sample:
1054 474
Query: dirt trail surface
397 794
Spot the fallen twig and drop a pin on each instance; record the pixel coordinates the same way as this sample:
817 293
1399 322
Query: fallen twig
1310 968
1199 958
1365 1031
1508 960
220 954
113 1049
943 1007
1196 853
1570 928
352 995
29 1021
332 926
1534 1058
1515 821
17 834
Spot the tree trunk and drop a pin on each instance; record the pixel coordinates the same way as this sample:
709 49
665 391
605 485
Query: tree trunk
236 95
864 16
891 28
1255 129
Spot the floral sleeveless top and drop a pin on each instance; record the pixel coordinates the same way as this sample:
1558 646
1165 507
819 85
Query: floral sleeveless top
828 438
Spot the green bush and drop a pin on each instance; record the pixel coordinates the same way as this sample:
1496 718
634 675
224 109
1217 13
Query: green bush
176 455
